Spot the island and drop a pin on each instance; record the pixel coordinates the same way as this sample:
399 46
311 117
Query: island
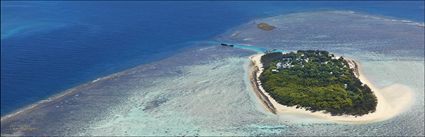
265 26
313 80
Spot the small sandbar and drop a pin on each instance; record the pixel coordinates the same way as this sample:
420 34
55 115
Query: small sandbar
265 26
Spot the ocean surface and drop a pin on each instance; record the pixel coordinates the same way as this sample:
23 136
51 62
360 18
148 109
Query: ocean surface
164 58
47 47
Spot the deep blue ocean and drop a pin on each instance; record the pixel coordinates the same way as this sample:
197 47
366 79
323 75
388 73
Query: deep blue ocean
48 47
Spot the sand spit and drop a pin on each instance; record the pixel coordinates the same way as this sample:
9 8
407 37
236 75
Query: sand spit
392 100
253 78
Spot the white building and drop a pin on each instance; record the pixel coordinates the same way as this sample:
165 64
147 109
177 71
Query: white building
286 65
279 65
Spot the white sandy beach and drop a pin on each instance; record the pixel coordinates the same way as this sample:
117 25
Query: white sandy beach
392 100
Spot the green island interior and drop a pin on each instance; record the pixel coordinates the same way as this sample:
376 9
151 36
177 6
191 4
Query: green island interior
317 81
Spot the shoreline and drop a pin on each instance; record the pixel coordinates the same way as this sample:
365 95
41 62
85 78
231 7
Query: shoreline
386 108
253 78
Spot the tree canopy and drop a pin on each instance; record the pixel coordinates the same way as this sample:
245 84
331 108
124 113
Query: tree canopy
316 80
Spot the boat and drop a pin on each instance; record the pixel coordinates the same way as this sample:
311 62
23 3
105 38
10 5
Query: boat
227 45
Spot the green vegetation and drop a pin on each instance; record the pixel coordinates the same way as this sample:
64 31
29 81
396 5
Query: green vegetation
316 80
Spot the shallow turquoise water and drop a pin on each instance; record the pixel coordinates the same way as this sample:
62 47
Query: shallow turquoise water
257 49
221 102
205 90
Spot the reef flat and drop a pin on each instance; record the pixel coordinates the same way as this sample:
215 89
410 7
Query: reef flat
206 90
